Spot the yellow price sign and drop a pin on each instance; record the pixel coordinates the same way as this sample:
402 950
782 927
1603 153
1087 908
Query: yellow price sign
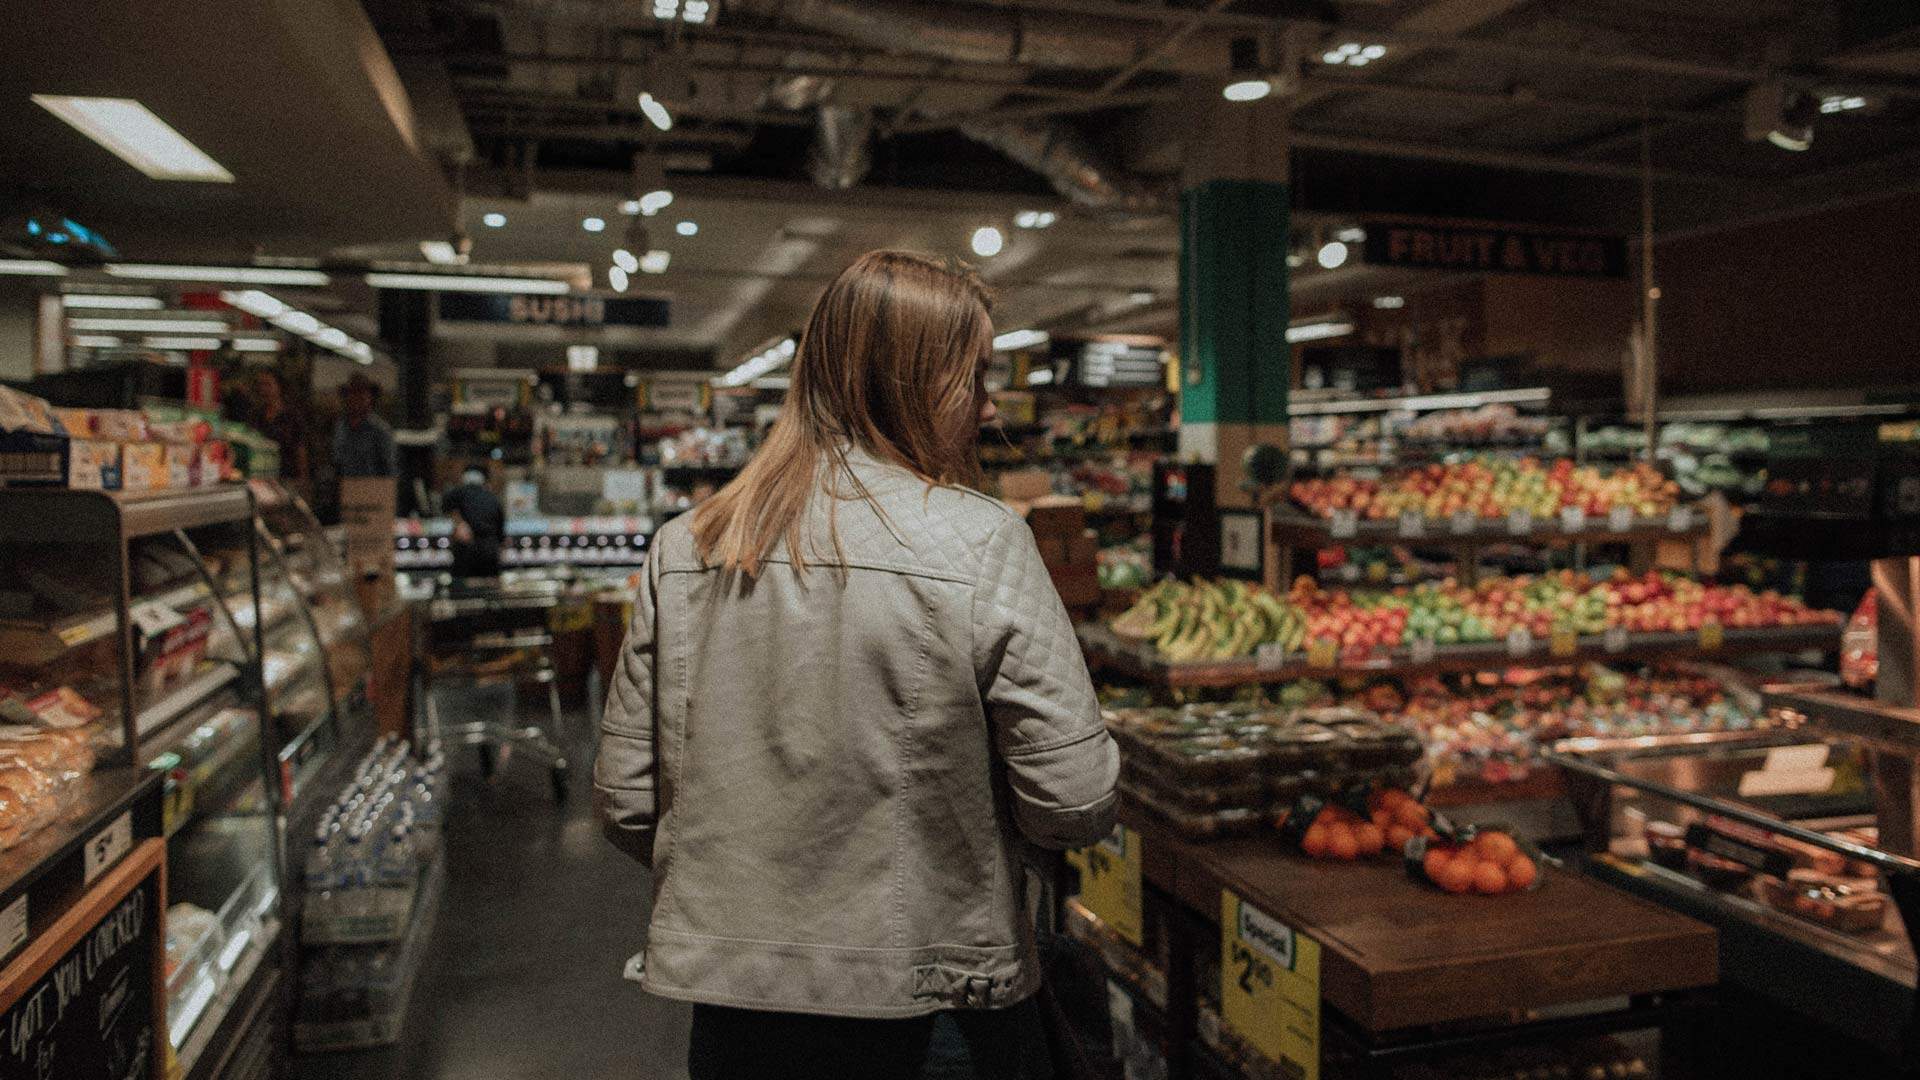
1270 986
1322 652
1110 882
1564 642
1712 634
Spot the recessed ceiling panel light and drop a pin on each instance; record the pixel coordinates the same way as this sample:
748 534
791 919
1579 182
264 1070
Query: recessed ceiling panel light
96 341
150 326
132 133
115 301
468 283
493 220
187 344
249 275
593 224
655 261
1333 254
656 112
687 228
35 267
987 241
617 277
1389 303
624 260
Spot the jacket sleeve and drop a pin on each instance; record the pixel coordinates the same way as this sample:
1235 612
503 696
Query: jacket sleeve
624 769
1040 704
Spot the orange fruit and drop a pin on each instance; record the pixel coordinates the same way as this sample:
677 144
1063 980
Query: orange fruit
1314 843
1521 871
1369 838
1383 817
1489 878
1434 861
1397 837
1411 814
1456 875
1341 843
1496 847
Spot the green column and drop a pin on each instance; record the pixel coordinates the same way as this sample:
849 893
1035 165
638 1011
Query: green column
1235 364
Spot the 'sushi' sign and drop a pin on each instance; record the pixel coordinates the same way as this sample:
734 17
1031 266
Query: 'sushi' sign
561 310
1496 250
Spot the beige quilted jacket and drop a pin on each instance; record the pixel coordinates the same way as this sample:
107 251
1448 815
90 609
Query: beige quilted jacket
831 775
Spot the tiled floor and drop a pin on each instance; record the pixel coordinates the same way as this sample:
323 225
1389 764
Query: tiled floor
522 979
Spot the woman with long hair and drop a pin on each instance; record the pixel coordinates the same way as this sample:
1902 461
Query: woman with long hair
849 695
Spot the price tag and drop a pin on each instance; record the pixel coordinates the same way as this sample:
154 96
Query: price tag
1680 519
86 631
1520 523
1573 519
1519 641
1615 639
1110 881
108 845
1620 518
1345 523
13 927
152 619
1270 986
1270 656
1420 650
1322 652
1712 634
1412 525
1564 641
1463 522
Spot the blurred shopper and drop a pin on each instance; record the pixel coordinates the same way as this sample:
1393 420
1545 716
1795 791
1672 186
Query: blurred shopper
362 442
286 427
479 525
848 695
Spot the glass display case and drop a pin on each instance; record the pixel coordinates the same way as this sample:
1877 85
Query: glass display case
121 641
302 555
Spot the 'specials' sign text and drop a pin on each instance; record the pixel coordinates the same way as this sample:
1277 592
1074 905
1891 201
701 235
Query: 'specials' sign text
1496 250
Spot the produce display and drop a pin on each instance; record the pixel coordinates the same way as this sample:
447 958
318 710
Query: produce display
1800 879
1215 769
1489 862
1225 619
1491 488
1215 620
1355 824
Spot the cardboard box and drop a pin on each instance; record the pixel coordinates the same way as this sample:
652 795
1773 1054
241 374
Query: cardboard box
29 458
183 463
1025 485
366 514
143 466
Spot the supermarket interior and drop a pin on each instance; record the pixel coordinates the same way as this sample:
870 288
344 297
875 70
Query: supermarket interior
1477 443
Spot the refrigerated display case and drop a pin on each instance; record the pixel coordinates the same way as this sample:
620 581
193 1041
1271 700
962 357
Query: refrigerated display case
120 629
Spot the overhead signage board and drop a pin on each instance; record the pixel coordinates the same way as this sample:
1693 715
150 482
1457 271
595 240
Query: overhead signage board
1495 249
578 311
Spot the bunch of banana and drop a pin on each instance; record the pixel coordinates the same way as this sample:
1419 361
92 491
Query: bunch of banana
1214 620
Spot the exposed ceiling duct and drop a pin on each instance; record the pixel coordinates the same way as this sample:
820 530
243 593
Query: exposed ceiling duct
841 139
1006 36
1062 155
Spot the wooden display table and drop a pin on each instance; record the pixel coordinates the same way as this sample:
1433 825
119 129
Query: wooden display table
1398 959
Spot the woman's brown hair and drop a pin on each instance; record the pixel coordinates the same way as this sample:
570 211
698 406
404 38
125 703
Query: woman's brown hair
892 361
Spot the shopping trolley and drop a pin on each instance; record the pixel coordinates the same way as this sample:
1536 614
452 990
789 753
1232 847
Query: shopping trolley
493 632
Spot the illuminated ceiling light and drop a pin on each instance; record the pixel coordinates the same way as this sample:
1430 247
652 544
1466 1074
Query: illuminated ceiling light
184 344
132 133
1316 331
468 283
1251 80
1019 339
1141 296
1332 255
760 364
617 277
1352 234
255 302
653 202
297 322
656 112
593 224
494 220
697 11
583 357
149 326
1295 260
256 345
1389 303
1839 103
441 252
331 336
117 301
687 228
623 259
630 207
987 241
96 341
244 275
655 261
37 267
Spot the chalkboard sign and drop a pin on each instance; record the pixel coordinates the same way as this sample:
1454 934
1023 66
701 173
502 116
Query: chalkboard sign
82 1002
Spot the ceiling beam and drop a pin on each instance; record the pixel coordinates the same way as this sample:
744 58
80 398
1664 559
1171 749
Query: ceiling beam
875 203
1495 159
827 71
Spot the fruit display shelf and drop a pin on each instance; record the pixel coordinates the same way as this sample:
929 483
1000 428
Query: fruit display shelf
1294 527
1109 652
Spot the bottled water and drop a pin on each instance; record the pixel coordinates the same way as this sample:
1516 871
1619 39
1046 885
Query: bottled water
384 825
